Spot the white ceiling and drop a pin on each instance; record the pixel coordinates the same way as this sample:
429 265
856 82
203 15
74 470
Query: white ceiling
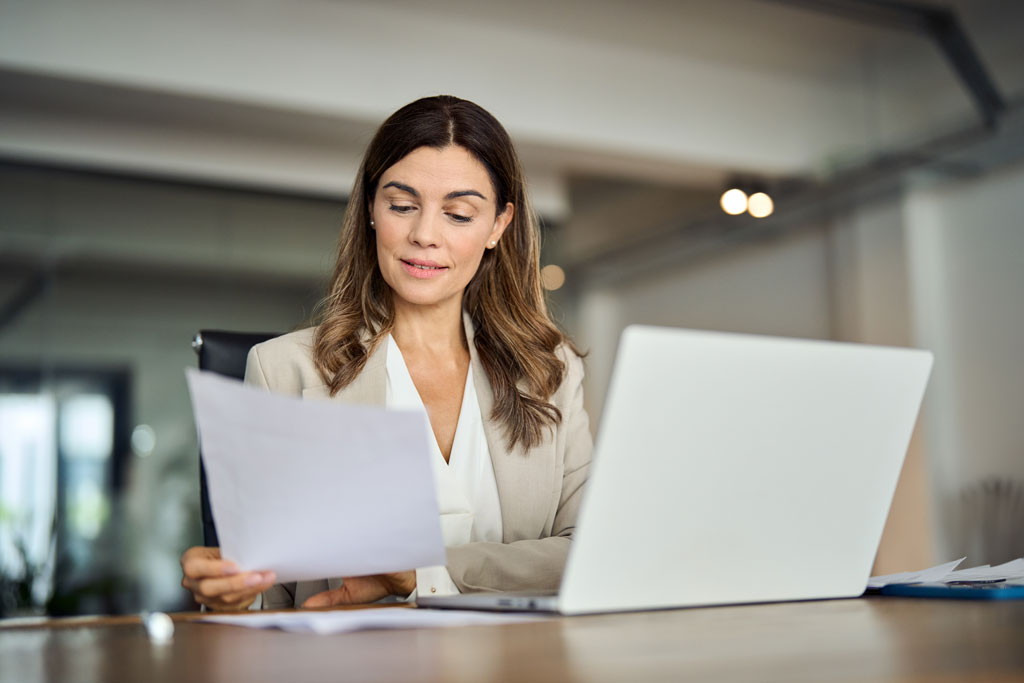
749 34
285 94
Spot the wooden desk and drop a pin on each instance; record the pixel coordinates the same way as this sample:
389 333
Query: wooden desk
875 639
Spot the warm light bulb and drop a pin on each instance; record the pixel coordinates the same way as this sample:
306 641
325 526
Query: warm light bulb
760 205
734 201
552 277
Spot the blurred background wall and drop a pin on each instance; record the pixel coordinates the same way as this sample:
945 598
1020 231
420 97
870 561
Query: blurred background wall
166 167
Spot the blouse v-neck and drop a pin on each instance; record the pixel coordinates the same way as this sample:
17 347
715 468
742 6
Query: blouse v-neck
467 491
403 390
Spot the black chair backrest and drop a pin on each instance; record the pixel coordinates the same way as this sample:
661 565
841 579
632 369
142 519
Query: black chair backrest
225 354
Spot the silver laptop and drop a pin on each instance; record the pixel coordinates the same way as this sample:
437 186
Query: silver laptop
734 469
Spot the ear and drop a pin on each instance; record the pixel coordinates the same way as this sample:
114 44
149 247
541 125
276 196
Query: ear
501 221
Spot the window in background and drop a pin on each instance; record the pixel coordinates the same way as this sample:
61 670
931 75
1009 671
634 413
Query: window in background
28 497
64 443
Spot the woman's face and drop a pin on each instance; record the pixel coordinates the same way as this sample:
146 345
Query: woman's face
435 214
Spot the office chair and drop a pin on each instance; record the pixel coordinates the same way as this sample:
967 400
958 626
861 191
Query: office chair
223 353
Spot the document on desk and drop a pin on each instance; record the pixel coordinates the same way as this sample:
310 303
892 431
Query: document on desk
315 489
1012 571
931 574
1008 571
345 621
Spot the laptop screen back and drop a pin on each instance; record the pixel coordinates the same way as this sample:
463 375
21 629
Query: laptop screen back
736 468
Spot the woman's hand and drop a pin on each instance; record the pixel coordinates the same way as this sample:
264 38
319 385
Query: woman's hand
362 589
217 583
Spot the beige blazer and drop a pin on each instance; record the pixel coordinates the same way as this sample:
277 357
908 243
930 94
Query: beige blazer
539 490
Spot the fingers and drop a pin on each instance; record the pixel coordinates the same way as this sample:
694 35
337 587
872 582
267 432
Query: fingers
237 602
231 593
218 583
244 583
362 589
199 562
244 599
338 596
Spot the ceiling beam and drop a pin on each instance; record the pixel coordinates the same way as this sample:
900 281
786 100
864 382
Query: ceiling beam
942 25
30 291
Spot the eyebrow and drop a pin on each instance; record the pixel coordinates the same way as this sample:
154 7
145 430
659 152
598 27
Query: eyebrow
451 195
464 193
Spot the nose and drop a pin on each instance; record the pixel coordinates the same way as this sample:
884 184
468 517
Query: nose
426 230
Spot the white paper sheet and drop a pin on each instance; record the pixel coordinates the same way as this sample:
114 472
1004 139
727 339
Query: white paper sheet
1014 569
315 489
945 573
342 621
931 574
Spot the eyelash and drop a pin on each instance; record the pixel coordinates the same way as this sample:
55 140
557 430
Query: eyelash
403 210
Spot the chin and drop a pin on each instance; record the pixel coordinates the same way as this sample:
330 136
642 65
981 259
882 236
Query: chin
421 296
420 300
422 292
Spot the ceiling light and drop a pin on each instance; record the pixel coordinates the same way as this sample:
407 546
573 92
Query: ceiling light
760 205
734 201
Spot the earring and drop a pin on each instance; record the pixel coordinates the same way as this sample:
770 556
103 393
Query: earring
494 244
372 223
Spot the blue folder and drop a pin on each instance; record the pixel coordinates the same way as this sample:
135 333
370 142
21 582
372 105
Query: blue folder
957 591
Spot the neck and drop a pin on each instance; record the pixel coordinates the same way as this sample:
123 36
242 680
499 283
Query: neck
435 329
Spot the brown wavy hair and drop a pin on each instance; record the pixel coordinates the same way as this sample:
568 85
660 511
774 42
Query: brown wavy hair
514 337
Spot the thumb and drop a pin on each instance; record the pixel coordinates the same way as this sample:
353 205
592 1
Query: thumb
327 598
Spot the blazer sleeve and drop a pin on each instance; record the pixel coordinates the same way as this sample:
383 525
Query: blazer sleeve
537 564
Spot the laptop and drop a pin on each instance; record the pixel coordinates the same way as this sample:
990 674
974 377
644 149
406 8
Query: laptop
733 469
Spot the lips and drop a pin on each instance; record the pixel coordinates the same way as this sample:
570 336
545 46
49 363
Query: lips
421 269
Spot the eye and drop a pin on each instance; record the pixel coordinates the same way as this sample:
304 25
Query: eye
402 208
459 218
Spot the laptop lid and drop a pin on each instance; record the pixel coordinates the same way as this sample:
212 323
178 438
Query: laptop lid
737 468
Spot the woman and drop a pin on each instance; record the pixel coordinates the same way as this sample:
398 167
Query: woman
436 304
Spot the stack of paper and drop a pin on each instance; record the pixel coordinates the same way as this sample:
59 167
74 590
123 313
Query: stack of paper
1011 571
1008 571
344 621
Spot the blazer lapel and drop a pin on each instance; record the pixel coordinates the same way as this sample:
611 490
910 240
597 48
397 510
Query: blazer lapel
368 388
524 479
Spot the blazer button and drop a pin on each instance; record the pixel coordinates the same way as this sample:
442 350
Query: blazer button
433 589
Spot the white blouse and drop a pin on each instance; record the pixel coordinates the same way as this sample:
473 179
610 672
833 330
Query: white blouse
466 491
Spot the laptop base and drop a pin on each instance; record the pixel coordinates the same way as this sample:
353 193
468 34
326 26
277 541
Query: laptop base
493 602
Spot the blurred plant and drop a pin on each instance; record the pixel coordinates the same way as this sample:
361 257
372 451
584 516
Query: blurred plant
17 588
